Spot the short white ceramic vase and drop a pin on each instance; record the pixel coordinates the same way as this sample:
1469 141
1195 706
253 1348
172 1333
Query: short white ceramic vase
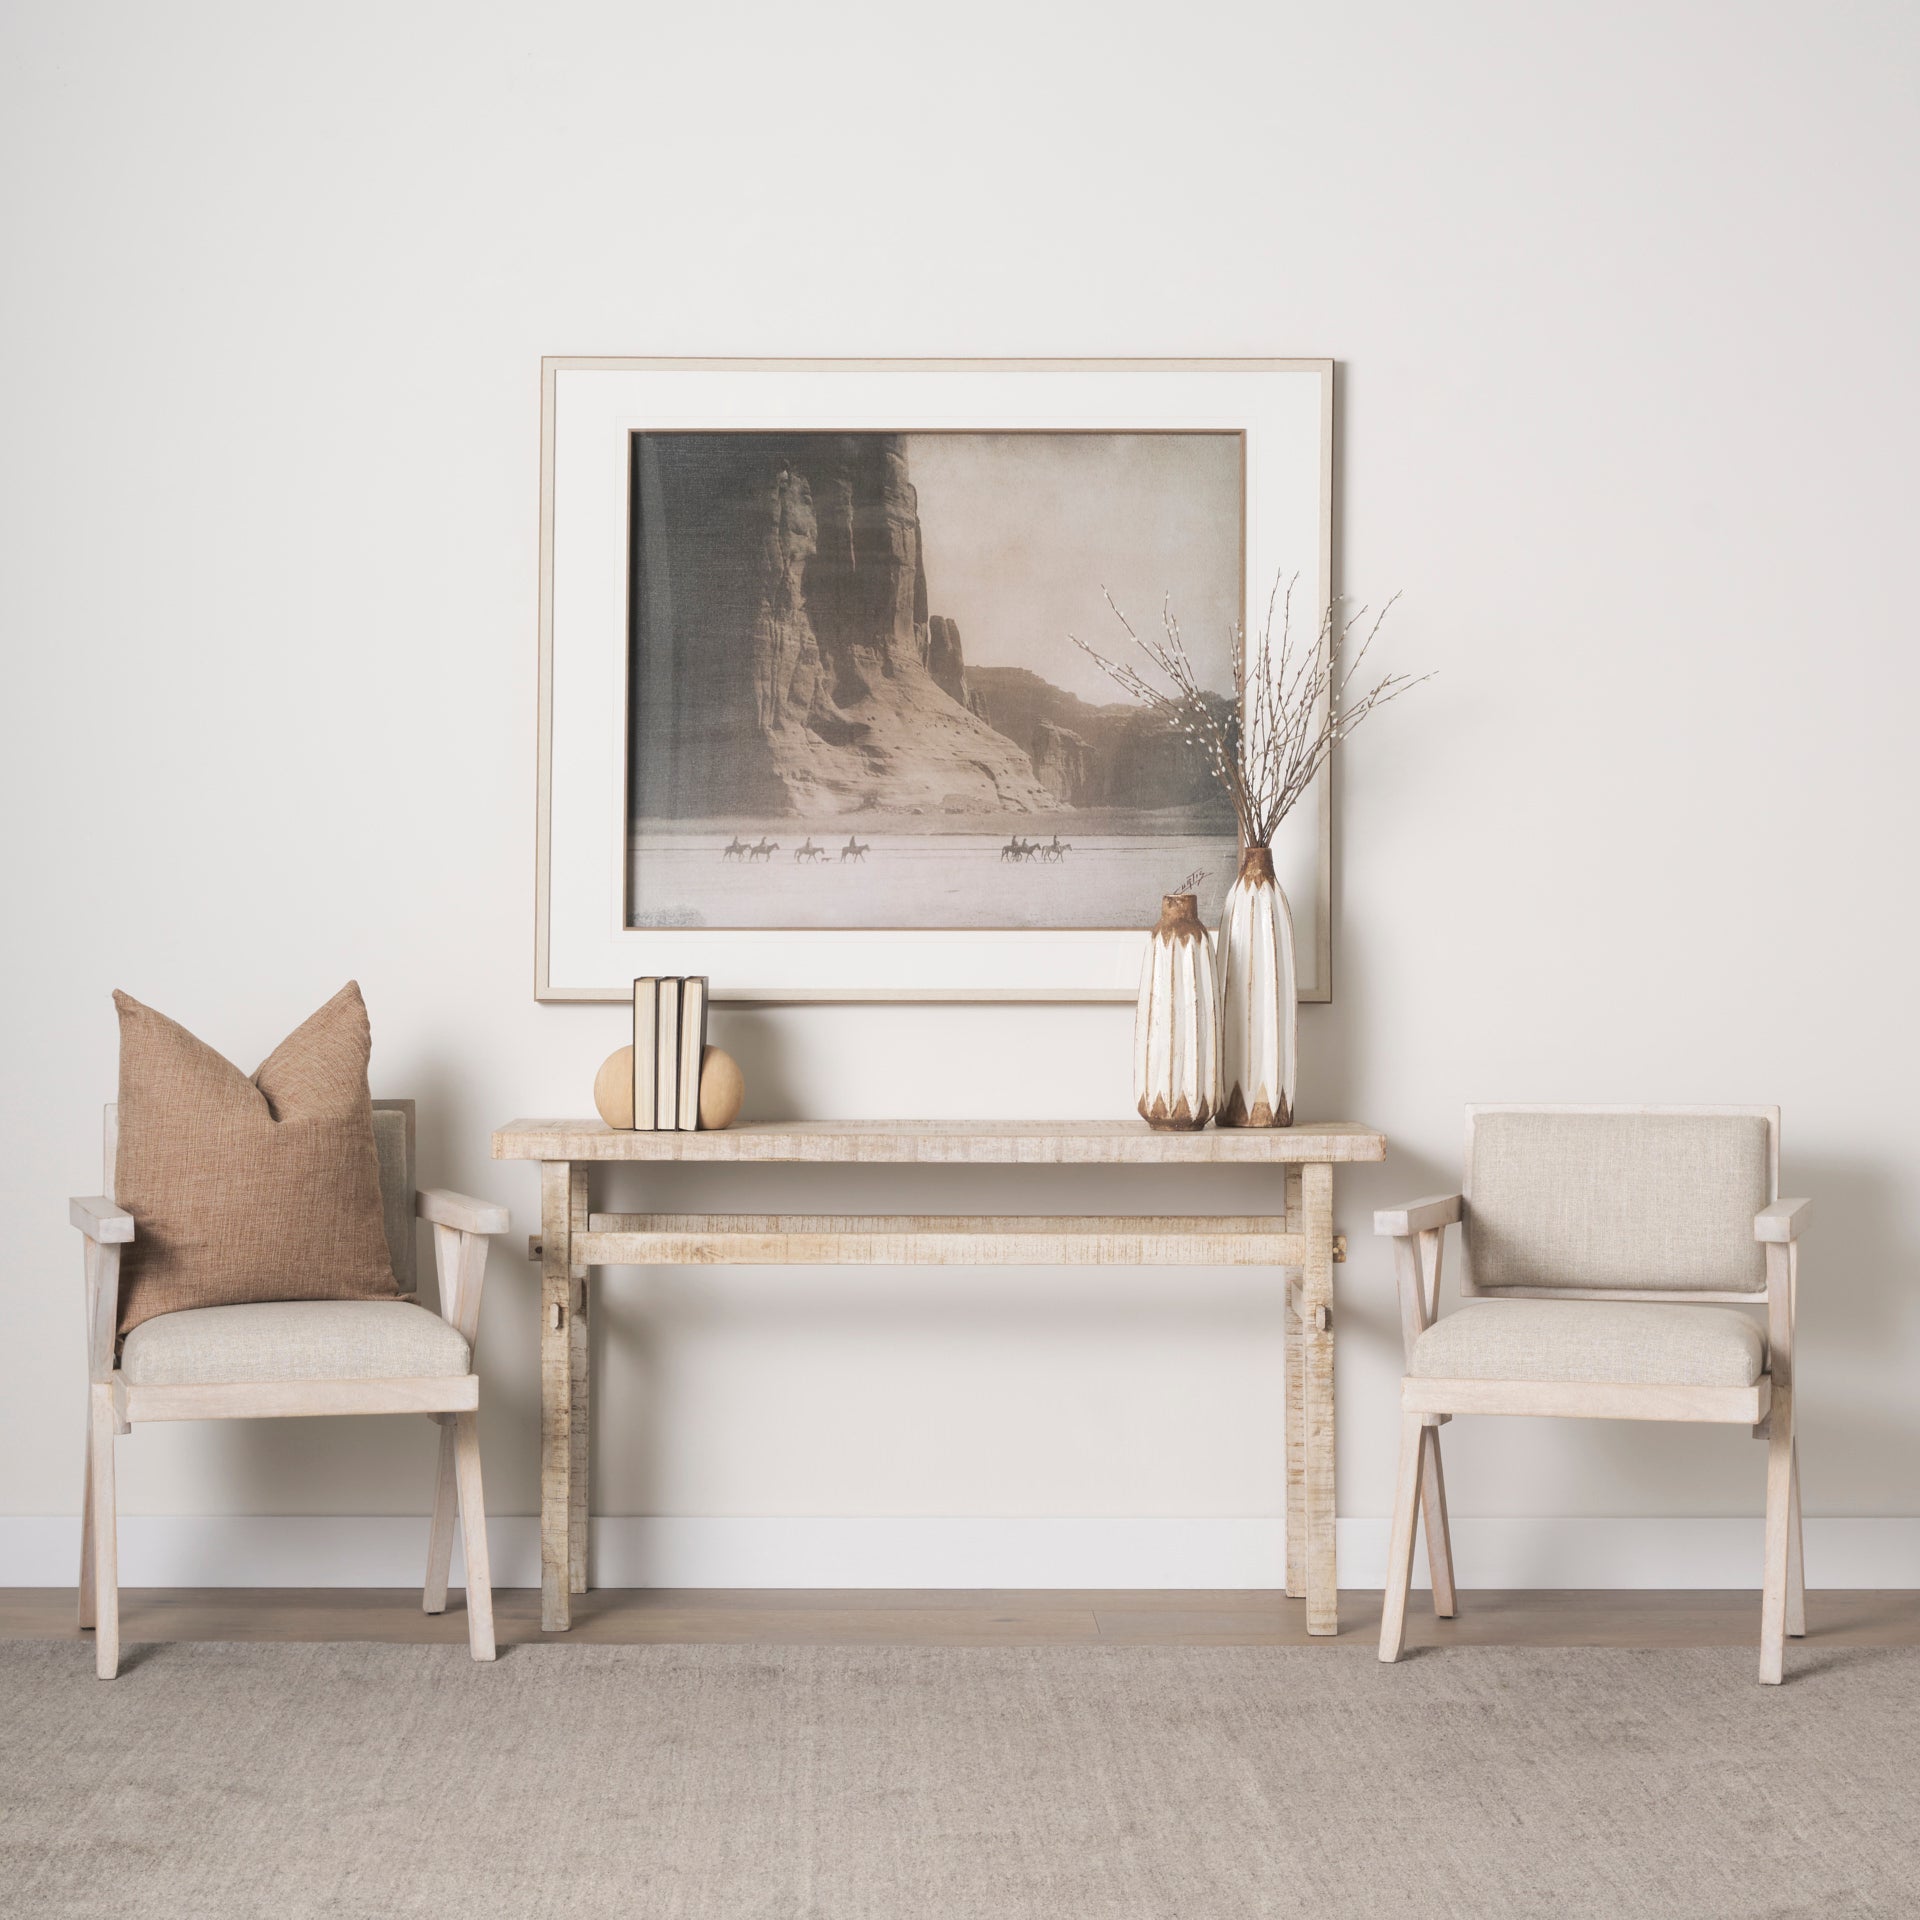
1176 1036
1259 998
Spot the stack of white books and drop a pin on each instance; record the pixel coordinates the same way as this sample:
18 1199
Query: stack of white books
669 1042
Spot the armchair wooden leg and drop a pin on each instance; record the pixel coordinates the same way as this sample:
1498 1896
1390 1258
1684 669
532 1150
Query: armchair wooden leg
473 1534
440 1533
1773 1600
1796 1558
1433 1518
86 1530
106 1565
1406 1503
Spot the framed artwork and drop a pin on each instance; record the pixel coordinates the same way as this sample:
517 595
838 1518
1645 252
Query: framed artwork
813 722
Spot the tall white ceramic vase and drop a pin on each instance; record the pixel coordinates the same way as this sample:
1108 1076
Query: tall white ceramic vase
1259 999
1176 1036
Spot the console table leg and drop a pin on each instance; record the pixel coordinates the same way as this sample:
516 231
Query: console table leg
579 1366
1296 1459
1316 1335
556 1394
1296 1452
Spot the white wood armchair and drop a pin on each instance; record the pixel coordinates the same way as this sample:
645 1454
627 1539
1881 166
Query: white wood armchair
1631 1211
293 1358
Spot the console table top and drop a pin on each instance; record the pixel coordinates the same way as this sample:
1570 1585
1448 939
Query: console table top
948 1142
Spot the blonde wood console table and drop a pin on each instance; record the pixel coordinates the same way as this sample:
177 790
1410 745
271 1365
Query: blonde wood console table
1298 1240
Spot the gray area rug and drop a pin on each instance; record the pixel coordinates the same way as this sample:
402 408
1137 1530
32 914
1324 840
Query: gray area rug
1083 1783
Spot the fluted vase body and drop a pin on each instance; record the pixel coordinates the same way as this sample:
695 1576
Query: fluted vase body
1259 999
1176 1035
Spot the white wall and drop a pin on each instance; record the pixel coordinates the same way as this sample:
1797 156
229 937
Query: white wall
1624 300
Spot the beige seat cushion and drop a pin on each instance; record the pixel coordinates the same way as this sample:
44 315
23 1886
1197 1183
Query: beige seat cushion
1625 1342
294 1340
248 1188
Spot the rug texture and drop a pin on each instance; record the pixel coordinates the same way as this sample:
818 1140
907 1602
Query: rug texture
892 1783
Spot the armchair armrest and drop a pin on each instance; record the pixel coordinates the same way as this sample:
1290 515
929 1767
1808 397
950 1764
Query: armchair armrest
1418 1216
460 1229
107 1228
1779 1223
101 1221
457 1210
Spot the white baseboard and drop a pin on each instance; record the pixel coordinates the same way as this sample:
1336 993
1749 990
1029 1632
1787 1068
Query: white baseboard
249 1550
1642 1553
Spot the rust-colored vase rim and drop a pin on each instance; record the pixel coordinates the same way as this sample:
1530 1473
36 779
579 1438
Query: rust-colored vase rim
1180 916
1256 863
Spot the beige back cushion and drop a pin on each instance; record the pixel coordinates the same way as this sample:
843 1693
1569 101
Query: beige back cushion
393 1143
1660 1202
245 1188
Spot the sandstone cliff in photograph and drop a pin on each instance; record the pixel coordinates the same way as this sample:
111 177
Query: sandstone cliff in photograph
791 660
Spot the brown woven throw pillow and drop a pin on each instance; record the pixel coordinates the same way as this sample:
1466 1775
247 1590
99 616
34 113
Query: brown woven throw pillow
261 1189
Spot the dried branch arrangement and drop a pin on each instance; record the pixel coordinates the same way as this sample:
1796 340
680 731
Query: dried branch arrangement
1264 749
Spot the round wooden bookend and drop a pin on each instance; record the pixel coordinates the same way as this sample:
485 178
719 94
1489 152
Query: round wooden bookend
722 1089
613 1089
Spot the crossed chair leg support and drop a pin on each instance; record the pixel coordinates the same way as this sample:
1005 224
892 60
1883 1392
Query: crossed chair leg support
1420 1500
456 1485
1420 1493
457 1482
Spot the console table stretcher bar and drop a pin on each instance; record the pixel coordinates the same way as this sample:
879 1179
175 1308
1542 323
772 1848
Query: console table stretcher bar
922 1240
1299 1242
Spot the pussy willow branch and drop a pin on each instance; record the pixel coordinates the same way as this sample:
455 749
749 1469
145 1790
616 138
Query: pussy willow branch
1292 705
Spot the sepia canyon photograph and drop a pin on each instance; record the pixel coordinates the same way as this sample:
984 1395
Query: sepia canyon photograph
855 700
